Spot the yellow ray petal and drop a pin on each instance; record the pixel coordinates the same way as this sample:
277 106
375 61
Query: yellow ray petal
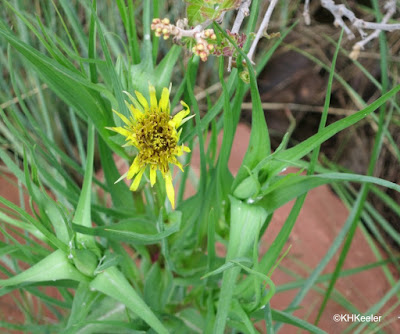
119 130
134 101
180 149
136 181
153 174
134 168
177 120
164 101
177 163
136 113
132 141
124 119
153 98
170 188
184 104
142 100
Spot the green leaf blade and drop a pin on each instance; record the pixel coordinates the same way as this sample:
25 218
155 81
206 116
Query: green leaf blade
113 283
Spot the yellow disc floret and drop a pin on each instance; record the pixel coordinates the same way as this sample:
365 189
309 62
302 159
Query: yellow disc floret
153 132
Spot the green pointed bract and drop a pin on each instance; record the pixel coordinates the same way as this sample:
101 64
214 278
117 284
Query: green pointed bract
248 188
85 261
114 284
55 266
246 221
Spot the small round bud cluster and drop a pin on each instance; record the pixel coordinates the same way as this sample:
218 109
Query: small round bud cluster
209 33
162 27
204 45
201 42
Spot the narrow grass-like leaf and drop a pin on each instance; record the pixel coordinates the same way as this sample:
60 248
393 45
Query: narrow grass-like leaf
123 232
75 90
83 210
120 193
128 19
326 277
32 328
259 144
305 147
192 70
73 18
284 317
297 185
22 225
211 254
357 209
49 211
92 43
226 266
223 173
116 83
24 215
357 99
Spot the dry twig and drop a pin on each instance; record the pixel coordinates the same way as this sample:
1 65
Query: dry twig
243 11
340 12
263 27
306 12
391 9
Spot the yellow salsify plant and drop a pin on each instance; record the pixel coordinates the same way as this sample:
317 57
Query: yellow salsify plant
154 133
163 266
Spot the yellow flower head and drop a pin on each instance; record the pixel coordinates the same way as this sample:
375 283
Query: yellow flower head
152 130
